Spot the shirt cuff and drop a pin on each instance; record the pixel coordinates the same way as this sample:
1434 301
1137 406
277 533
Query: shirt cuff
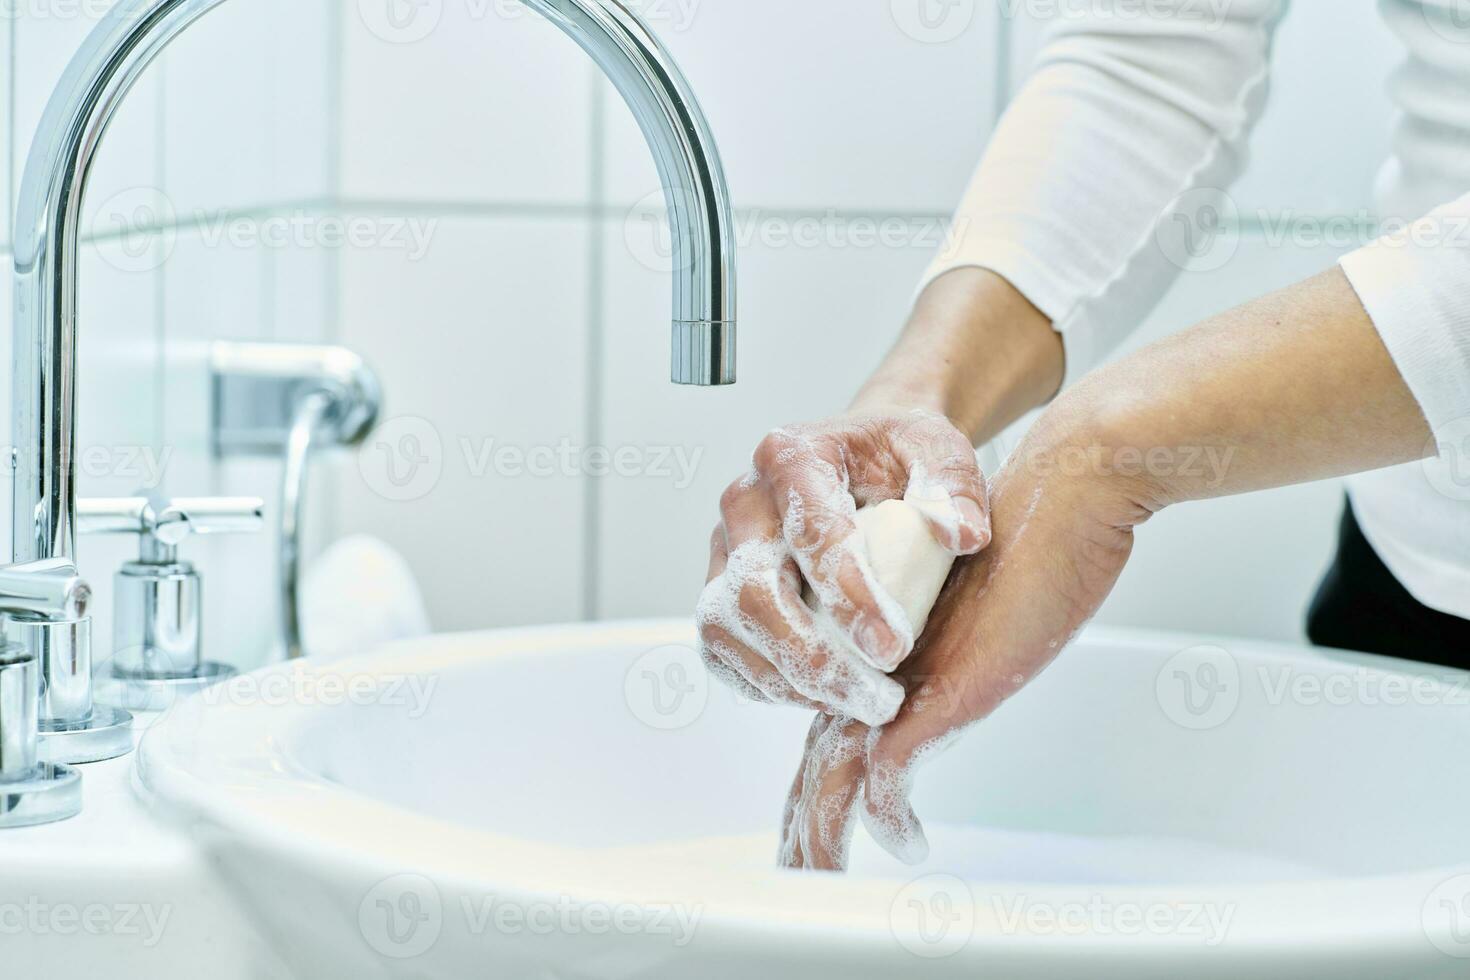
1024 271
1415 285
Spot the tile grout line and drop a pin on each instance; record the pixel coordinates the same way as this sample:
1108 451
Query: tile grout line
1004 38
336 78
10 176
160 276
596 326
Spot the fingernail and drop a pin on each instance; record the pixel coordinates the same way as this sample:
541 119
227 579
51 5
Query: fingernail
974 521
878 642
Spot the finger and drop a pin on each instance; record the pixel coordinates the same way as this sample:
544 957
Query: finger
719 553
791 854
734 659
817 518
773 621
756 602
832 780
947 486
720 669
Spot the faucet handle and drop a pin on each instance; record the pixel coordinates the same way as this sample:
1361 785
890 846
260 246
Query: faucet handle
164 525
49 590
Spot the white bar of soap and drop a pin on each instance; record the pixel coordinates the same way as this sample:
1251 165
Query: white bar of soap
906 560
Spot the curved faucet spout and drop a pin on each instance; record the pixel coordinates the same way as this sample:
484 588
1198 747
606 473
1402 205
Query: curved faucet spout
84 103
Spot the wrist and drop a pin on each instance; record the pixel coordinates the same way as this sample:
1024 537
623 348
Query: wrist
974 350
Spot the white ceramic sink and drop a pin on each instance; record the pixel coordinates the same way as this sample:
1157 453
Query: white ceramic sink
581 802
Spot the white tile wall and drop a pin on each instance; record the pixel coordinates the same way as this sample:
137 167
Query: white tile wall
124 182
481 345
245 121
463 102
490 121
119 445
7 219
814 322
827 103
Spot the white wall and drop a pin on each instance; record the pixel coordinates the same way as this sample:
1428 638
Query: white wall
233 122
532 311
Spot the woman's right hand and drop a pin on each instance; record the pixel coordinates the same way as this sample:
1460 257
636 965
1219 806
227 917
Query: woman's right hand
790 522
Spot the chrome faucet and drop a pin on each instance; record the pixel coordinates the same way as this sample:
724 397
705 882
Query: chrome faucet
46 244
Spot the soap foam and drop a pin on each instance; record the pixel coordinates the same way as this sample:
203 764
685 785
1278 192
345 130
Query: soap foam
804 653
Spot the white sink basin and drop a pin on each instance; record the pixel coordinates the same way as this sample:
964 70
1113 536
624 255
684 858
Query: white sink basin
562 802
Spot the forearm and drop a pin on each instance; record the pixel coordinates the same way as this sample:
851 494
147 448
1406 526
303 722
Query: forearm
1294 387
974 350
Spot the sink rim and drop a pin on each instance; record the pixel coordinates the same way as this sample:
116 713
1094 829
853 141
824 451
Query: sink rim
268 798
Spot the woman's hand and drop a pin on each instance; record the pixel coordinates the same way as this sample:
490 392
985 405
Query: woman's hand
1061 540
791 521
1293 387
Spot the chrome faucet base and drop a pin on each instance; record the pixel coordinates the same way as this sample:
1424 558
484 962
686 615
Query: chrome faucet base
147 692
106 733
51 793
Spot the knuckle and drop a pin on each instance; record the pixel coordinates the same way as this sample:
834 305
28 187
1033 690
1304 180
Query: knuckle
772 451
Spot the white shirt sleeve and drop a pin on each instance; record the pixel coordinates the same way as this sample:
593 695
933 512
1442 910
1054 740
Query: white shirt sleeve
1415 284
1076 200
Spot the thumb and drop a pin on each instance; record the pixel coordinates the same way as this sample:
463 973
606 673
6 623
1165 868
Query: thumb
895 753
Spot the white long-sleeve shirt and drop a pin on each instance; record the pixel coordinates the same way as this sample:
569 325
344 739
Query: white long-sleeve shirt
1098 187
